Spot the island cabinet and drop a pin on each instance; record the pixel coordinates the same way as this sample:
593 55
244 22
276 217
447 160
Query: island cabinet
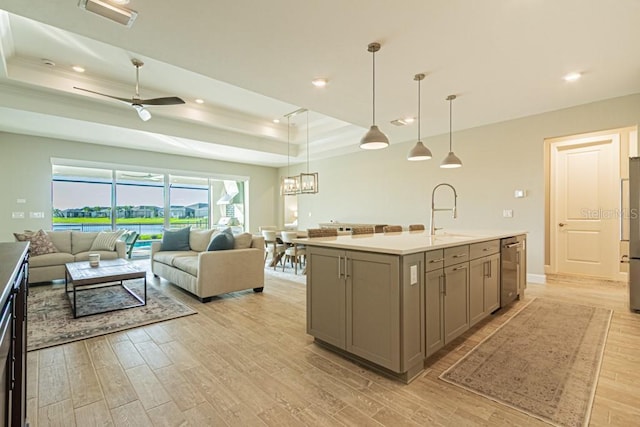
446 296
484 280
368 305
14 271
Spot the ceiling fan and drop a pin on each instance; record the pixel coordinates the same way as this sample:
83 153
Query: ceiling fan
136 102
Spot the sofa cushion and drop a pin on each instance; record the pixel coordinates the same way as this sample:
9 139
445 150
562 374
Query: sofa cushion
61 240
242 241
188 264
104 255
81 241
168 257
199 239
222 241
176 240
45 260
40 242
105 240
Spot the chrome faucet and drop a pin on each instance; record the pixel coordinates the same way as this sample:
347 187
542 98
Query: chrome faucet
454 209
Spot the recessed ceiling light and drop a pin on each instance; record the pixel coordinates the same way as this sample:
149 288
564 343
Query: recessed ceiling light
572 77
276 120
320 82
199 101
78 69
409 119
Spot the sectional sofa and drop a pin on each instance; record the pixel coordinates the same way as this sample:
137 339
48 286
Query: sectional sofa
70 246
208 273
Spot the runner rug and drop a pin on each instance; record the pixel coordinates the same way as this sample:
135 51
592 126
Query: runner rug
545 362
50 321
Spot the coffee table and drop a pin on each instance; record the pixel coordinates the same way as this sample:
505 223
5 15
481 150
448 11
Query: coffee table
80 276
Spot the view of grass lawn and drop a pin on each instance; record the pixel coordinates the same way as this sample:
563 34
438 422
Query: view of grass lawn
126 220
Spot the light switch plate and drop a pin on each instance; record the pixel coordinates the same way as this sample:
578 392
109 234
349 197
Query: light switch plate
518 194
36 215
507 213
17 215
414 274
21 200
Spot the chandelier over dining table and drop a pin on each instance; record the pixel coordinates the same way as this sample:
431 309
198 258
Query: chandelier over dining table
305 182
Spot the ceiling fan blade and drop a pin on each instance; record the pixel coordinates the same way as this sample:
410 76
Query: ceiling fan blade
170 100
127 100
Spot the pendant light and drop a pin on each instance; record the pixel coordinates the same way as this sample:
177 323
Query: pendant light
451 161
374 139
419 152
290 184
308 181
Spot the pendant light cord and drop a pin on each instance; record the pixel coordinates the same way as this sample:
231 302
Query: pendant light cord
374 87
419 109
288 145
307 141
450 100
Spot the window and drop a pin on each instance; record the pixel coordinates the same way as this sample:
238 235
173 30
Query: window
93 199
81 198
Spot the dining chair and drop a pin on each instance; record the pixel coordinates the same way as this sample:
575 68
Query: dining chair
416 227
322 232
267 227
362 230
392 228
273 247
293 253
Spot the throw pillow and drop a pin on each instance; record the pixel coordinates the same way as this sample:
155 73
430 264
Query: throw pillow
222 241
106 240
176 240
242 241
40 242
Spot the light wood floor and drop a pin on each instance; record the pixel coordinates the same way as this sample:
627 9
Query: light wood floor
245 359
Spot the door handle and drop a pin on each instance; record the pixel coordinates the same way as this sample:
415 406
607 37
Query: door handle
562 224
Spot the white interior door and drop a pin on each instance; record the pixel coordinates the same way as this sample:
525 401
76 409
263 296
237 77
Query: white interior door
585 214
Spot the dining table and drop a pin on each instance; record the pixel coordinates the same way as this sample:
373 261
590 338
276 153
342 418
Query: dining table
277 256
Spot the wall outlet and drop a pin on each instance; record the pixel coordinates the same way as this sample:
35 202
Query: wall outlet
518 194
414 274
36 215
17 215
507 213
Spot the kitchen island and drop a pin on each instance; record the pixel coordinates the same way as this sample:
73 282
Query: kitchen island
391 300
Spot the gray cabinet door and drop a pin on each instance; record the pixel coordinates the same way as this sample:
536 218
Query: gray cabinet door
456 308
492 284
477 273
326 295
433 311
373 308
522 266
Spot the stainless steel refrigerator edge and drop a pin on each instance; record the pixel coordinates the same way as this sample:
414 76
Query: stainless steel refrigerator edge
634 233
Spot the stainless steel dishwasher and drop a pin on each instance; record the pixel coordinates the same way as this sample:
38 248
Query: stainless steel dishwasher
511 268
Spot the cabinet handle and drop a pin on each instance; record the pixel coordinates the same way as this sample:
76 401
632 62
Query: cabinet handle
488 264
459 255
444 284
433 261
339 267
462 267
346 268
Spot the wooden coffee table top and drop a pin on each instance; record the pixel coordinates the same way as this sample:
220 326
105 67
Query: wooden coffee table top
81 273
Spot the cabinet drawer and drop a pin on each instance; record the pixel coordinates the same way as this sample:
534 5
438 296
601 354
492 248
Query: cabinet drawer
434 260
456 255
477 250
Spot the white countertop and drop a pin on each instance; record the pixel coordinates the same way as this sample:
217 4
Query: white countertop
407 242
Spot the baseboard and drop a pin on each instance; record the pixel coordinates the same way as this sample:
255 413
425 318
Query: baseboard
536 278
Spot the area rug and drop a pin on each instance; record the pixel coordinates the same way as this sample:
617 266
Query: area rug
545 362
50 321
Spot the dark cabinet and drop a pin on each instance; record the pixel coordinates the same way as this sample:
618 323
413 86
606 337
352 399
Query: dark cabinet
14 271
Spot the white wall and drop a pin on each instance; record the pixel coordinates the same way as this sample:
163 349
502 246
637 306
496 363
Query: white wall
25 173
383 187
